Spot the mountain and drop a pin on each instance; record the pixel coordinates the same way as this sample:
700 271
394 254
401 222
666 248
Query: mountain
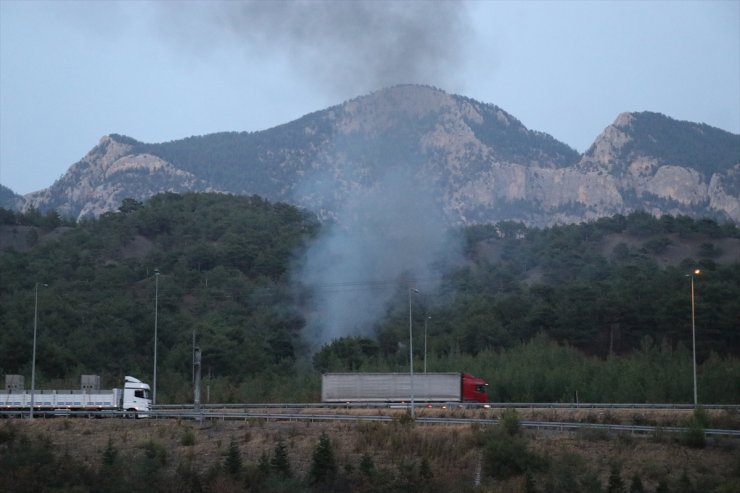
8 198
479 163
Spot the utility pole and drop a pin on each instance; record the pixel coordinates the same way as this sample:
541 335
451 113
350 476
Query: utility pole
196 381
156 310
33 358
411 354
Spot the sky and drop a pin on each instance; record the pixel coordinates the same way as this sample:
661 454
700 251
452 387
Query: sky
72 72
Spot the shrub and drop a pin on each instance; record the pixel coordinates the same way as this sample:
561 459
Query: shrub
155 453
367 466
701 417
507 455
694 435
510 421
188 438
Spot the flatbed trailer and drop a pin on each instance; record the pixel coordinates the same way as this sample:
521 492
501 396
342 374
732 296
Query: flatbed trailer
133 397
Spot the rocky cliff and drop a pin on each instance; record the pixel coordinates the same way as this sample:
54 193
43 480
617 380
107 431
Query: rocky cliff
478 162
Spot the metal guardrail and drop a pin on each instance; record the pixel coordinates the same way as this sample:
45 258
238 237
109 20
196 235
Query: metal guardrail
206 414
466 405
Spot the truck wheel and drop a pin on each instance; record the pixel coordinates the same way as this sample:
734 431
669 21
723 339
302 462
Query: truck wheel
131 414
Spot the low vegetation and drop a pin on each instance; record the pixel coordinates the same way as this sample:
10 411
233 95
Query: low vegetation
76 455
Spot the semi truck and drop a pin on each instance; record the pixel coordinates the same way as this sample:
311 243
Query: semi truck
133 397
396 387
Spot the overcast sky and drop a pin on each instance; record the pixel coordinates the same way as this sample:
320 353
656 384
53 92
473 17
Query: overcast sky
71 72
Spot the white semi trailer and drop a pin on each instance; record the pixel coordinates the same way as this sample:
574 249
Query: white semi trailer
396 387
133 397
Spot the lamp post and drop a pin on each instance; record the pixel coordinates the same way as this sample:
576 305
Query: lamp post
696 272
411 354
33 357
425 342
156 309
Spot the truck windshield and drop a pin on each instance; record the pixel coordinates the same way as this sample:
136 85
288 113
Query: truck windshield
142 394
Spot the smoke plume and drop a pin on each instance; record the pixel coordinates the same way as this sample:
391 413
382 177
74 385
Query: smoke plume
386 236
345 48
391 230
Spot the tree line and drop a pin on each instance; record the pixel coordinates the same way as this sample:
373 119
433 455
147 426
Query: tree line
596 297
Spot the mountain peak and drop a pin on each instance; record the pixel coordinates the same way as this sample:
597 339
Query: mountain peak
659 138
479 163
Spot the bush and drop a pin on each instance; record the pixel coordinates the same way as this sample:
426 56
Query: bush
367 466
694 435
636 485
188 438
510 421
506 455
701 417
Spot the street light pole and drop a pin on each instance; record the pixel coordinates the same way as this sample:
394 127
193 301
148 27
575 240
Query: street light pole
33 357
156 309
425 342
693 333
411 355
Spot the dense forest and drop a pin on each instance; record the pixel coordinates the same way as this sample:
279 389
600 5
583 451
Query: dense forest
704 148
599 311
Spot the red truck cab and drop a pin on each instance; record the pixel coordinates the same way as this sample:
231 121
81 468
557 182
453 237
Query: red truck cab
474 389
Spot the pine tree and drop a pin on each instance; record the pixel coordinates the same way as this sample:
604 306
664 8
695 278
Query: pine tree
684 483
323 466
616 484
367 466
110 454
636 484
233 461
529 485
263 465
279 460
425 470
662 487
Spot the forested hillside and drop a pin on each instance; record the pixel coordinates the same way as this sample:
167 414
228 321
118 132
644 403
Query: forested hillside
601 308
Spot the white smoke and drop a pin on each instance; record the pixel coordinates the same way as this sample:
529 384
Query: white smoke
390 233
393 228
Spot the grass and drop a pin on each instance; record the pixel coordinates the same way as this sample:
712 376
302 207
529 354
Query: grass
450 450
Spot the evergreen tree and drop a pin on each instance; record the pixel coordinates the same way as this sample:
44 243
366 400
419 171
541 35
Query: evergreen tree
110 454
425 470
233 460
367 466
684 483
636 484
616 484
662 487
529 484
323 465
279 462
263 465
